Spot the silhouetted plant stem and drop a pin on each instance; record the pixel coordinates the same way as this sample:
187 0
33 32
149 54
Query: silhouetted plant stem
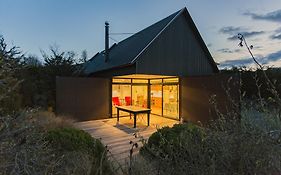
272 87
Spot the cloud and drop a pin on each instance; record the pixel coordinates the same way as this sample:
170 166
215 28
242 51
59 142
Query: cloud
230 30
276 35
233 32
274 16
276 56
246 35
272 57
236 62
227 50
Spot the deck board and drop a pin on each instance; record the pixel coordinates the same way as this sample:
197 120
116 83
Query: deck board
117 135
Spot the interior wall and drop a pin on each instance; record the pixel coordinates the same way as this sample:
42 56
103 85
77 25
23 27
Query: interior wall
83 98
196 93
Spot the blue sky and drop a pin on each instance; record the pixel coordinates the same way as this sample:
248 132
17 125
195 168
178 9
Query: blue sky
79 24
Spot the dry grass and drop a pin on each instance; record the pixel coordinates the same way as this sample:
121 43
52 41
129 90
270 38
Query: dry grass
25 150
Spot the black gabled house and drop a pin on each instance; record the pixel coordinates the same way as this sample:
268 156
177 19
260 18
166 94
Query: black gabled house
165 67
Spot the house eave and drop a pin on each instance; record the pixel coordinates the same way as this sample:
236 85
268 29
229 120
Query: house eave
104 71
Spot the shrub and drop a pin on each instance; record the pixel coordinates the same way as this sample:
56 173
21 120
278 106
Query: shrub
226 146
74 140
71 139
166 138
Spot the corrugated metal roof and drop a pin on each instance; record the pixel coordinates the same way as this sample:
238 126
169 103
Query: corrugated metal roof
127 50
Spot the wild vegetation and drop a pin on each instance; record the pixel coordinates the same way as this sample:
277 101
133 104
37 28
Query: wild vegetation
225 146
34 142
37 142
32 81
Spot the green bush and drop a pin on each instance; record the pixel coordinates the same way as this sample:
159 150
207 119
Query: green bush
227 146
75 140
167 135
71 139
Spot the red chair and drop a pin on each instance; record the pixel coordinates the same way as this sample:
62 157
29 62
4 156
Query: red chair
128 101
116 101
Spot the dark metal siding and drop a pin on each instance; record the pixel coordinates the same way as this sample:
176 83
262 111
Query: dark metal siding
124 70
176 51
196 93
83 98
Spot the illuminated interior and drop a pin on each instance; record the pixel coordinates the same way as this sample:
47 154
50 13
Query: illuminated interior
170 101
121 94
159 93
156 99
139 95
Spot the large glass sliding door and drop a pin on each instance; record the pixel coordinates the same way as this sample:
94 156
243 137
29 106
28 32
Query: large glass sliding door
156 99
121 95
171 101
139 95
164 95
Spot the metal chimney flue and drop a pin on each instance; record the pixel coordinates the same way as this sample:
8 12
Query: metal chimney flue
106 50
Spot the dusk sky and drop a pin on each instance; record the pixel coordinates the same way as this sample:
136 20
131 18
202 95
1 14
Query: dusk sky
79 24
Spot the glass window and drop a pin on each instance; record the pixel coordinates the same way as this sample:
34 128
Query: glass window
156 99
118 80
139 93
171 101
139 81
171 80
121 96
156 81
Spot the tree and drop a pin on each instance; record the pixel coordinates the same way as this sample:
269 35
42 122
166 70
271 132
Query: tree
10 98
32 86
84 57
31 60
58 63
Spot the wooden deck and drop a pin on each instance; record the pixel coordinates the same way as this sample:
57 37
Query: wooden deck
117 136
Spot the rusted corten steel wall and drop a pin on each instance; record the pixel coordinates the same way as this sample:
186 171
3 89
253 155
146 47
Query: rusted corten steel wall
196 93
83 98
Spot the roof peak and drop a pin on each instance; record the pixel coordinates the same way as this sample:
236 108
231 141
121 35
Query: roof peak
175 15
127 51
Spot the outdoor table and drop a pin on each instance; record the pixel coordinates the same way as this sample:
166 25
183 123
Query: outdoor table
134 110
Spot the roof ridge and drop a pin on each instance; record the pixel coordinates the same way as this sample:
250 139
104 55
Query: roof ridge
137 56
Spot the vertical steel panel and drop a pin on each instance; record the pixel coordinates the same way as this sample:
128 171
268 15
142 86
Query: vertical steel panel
197 91
83 98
